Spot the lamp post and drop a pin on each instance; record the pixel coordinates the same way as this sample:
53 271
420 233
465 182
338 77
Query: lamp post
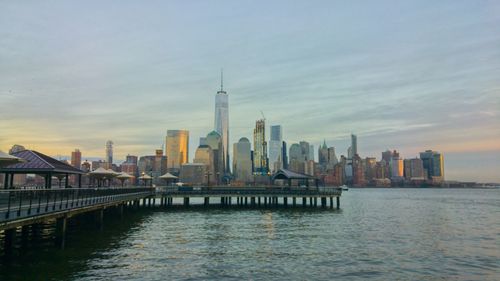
143 180
218 179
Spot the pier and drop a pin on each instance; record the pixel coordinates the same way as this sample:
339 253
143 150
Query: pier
25 209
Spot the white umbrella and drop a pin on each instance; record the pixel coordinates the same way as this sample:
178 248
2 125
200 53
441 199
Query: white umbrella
7 159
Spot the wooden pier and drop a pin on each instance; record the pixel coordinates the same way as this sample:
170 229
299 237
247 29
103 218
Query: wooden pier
25 209
270 196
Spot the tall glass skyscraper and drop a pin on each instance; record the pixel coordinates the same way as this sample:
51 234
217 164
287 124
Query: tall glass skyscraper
177 149
222 122
275 151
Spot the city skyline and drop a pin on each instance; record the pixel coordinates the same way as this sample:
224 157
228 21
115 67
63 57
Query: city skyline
437 90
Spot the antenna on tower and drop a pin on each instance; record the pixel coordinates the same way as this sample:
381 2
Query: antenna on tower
221 79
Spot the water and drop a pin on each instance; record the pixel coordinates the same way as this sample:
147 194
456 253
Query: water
381 234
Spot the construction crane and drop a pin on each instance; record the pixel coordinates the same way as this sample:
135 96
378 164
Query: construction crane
263 117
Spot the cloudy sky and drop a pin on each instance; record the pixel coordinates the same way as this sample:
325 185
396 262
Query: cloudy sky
405 75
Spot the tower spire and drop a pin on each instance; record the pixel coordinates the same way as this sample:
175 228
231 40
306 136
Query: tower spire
221 79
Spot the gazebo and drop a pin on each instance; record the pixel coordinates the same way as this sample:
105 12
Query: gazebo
123 177
168 177
39 164
145 178
284 174
102 174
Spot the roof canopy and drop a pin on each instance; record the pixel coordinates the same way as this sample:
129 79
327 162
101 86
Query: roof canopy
145 177
38 163
124 175
7 159
287 174
168 176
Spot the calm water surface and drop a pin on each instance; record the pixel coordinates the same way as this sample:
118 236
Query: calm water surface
382 234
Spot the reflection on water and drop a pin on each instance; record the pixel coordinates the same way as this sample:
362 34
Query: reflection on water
429 234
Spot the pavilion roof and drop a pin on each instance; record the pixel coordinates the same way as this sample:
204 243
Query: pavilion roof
37 162
284 173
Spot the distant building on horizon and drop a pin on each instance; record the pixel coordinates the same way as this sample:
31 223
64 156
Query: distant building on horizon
177 149
109 152
275 148
204 155
260 160
242 160
16 148
76 159
221 123
433 163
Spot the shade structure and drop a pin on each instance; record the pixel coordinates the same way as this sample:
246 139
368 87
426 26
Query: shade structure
123 177
38 163
7 159
168 176
145 177
102 174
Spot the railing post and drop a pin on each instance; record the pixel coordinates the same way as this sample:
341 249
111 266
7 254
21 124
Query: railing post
8 206
20 203
31 200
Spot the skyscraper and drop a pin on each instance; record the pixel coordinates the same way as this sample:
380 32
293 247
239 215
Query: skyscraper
242 160
109 152
260 148
275 151
76 159
222 122
354 144
433 163
177 149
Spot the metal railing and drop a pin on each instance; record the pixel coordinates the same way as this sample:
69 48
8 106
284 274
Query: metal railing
16 204
249 191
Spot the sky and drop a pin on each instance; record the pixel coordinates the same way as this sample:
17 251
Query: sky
405 75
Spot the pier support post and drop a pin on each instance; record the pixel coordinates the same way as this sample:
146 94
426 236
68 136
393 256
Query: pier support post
285 201
294 201
246 200
207 201
304 201
100 219
265 201
9 240
310 201
186 201
259 201
252 201
331 202
338 202
323 202
315 201
61 226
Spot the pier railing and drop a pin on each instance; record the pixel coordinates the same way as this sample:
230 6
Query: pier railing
248 191
18 204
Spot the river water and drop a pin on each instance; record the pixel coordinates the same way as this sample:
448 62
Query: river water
381 234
